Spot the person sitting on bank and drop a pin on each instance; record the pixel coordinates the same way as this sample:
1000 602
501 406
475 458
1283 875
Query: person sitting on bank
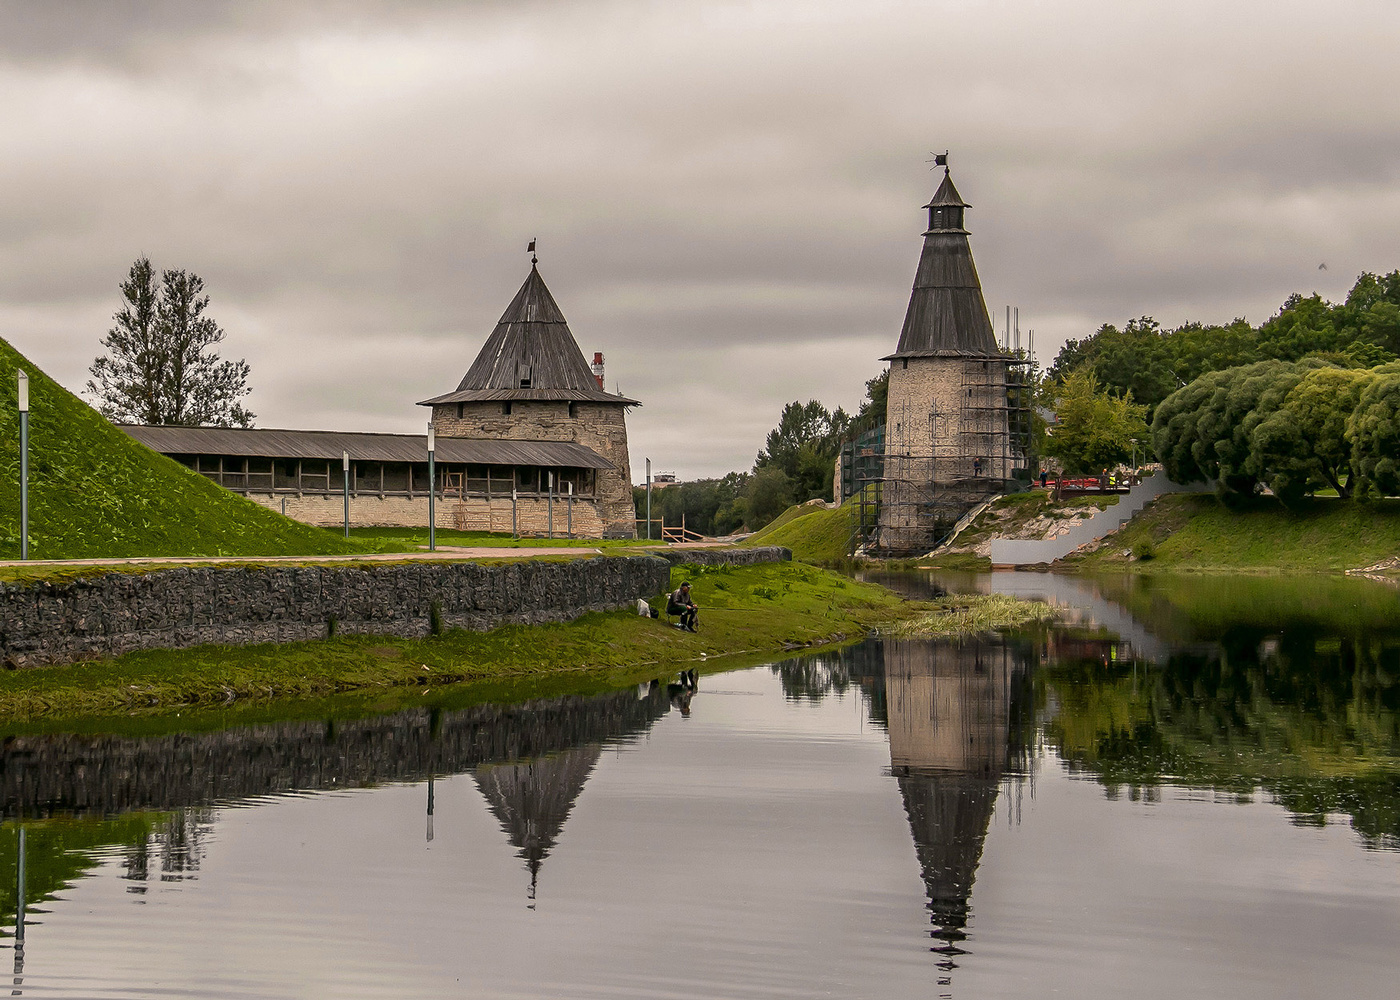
679 603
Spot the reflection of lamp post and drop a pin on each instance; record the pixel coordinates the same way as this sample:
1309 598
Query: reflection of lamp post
432 525
430 802
19 914
23 469
345 466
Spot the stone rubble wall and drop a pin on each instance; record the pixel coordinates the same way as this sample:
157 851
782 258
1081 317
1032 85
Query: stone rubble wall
727 557
114 613
111 613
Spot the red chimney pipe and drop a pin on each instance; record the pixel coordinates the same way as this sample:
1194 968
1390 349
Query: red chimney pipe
598 367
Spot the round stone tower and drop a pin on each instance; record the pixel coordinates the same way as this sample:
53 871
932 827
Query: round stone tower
947 439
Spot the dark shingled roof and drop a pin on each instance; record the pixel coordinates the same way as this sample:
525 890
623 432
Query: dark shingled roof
267 443
947 316
947 194
531 340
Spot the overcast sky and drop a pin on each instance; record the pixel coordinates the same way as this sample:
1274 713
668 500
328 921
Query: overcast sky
726 195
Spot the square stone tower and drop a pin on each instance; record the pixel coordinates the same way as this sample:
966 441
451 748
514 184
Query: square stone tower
530 383
948 444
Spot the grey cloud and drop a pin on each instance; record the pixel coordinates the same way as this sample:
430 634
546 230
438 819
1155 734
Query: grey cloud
726 196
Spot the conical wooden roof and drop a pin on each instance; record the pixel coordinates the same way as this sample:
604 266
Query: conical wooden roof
947 194
531 354
947 316
532 798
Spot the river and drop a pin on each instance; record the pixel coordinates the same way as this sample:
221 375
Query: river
1190 787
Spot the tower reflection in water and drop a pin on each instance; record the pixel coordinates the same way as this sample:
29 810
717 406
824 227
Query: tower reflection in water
960 722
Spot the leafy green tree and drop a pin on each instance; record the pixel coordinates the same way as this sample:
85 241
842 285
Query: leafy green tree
1197 349
161 366
766 495
804 447
1303 444
1303 326
1371 313
872 409
1094 429
1136 361
1250 394
1176 437
1374 432
1206 430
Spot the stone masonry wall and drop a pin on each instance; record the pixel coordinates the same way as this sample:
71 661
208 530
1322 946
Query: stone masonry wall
928 445
111 613
115 613
600 426
532 515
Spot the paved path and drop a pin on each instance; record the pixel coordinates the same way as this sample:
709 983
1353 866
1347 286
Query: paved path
444 553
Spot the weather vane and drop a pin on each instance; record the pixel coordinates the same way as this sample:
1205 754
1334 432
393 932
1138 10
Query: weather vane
939 160
531 251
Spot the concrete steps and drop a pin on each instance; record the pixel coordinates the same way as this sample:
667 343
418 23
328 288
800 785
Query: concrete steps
1029 552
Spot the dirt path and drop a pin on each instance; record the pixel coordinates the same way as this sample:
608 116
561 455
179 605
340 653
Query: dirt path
444 553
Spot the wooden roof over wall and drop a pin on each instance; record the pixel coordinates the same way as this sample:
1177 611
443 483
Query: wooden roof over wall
532 339
290 444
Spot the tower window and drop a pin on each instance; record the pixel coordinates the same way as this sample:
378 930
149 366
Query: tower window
505 407
905 362
573 410
461 410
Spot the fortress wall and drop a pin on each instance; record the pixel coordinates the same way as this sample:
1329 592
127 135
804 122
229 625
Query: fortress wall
531 515
113 612
117 612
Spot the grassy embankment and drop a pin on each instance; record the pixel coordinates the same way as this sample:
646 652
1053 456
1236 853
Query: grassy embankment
767 607
814 534
1199 533
821 536
94 492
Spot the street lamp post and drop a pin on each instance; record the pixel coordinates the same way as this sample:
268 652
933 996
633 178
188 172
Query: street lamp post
648 499
432 489
23 465
345 467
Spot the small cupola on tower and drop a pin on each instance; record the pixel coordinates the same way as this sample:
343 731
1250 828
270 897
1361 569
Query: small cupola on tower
945 211
947 314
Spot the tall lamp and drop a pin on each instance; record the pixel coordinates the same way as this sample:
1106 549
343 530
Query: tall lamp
432 492
23 465
345 466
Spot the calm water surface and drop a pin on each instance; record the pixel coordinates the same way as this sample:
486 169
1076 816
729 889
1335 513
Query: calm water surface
1190 789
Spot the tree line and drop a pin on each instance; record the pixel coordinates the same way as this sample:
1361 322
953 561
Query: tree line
1107 389
1295 427
796 464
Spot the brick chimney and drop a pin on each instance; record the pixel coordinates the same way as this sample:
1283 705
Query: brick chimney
598 367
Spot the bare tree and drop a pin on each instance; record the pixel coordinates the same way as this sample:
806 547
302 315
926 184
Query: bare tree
161 366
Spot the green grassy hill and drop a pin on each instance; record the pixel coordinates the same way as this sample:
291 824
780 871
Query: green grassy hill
1200 533
815 534
94 492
